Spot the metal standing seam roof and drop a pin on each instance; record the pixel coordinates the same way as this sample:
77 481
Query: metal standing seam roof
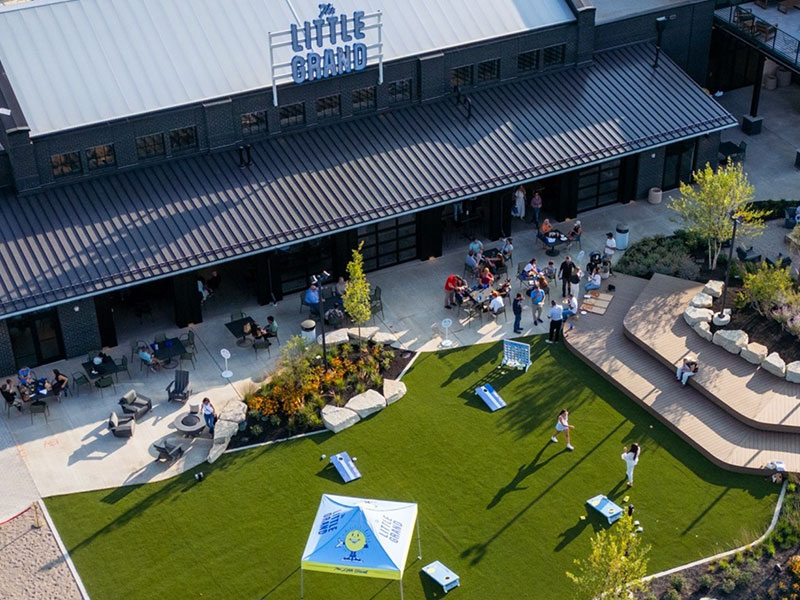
94 235
76 62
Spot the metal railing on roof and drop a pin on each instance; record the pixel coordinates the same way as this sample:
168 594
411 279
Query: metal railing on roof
764 35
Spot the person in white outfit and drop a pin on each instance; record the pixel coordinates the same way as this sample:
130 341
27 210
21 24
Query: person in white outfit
562 424
631 458
686 370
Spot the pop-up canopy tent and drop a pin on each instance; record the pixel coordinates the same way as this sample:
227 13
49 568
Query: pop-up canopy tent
355 536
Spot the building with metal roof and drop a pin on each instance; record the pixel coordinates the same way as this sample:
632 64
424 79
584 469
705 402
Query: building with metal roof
150 141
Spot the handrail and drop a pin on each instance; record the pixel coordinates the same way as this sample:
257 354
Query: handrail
757 30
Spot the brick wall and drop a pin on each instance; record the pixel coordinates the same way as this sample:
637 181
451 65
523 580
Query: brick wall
79 328
651 171
7 366
707 150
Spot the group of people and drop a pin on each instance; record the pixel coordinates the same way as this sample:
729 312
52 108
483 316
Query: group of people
207 287
314 300
478 261
457 292
28 388
258 333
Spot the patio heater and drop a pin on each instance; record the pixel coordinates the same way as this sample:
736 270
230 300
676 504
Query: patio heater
319 281
736 221
661 23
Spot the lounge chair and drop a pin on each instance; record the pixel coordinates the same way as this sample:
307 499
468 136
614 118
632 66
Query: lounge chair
747 254
178 389
121 426
135 405
167 452
788 217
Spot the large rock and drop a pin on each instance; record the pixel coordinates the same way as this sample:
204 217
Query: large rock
224 431
733 340
754 353
701 300
382 337
714 288
793 372
703 329
393 390
694 315
774 364
365 334
366 404
338 419
334 338
235 412
216 451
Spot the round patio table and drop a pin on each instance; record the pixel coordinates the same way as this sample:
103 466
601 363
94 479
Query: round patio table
189 424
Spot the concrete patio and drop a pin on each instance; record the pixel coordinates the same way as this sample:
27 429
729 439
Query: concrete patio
74 451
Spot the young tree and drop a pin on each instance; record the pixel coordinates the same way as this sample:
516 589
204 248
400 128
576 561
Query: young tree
706 207
357 303
616 564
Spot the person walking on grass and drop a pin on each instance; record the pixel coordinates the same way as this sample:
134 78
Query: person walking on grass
562 424
631 458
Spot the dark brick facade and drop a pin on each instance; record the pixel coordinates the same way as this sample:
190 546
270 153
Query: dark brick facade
651 171
7 366
79 330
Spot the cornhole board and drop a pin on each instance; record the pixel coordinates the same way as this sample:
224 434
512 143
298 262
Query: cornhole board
590 307
442 575
345 466
605 507
601 295
490 397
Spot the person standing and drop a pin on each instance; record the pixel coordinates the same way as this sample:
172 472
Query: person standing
450 286
609 250
565 273
516 306
631 459
556 320
209 414
537 300
562 424
575 281
536 205
519 202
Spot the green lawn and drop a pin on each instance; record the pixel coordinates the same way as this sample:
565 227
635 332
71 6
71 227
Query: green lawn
499 503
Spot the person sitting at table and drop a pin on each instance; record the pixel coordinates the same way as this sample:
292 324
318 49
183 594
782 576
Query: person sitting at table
24 393
574 233
487 278
341 287
496 305
504 289
271 330
334 315
546 227
153 363
476 245
486 261
571 308
471 262
253 330
312 298
10 396
531 269
507 250
550 271
594 281
25 376
59 383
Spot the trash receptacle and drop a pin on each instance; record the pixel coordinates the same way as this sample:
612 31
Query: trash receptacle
654 196
622 236
308 330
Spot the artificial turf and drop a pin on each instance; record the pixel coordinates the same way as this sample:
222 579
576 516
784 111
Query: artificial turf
499 503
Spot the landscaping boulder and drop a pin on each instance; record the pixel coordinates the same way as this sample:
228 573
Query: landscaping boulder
754 353
216 451
393 390
793 372
714 288
774 364
224 431
703 329
338 419
366 404
701 300
381 337
694 315
365 335
235 412
733 340
334 338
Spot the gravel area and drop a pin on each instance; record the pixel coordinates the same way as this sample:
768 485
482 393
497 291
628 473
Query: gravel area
31 565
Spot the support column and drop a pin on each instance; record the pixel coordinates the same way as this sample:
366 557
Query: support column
188 309
80 332
429 233
268 278
752 123
105 321
499 221
7 363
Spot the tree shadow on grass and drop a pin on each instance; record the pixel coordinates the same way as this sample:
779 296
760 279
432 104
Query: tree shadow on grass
568 536
523 473
490 354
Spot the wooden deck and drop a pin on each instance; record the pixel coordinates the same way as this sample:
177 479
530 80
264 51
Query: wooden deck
752 395
600 341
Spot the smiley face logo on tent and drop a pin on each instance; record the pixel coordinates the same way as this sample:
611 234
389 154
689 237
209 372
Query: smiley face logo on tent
355 541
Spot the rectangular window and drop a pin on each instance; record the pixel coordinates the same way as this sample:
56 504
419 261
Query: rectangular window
528 61
254 123
183 139
364 99
461 76
100 157
400 91
68 163
489 70
329 107
292 114
150 146
554 55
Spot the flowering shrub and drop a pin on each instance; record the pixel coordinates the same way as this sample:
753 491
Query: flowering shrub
794 565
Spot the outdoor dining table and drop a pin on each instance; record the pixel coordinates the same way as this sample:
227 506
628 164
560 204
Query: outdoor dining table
94 371
552 239
167 351
237 329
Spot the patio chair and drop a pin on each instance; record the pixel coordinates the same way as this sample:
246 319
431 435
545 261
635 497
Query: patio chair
106 381
39 408
122 365
236 315
188 340
167 452
744 18
121 426
576 239
160 338
501 270
135 345
79 379
779 261
472 310
187 356
747 254
502 311
788 217
376 304
178 389
261 345
274 335
765 30
135 405
742 151
303 301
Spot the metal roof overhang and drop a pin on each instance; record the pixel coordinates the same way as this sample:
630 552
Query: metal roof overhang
93 236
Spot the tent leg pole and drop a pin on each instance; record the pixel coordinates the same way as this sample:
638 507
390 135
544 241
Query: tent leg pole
301 584
419 541
401 589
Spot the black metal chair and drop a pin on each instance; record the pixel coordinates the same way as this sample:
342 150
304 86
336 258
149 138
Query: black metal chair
376 304
167 452
236 315
178 389
187 356
122 365
106 381
39 407
188 340
747 254
261 344
503 312
160 338
79 379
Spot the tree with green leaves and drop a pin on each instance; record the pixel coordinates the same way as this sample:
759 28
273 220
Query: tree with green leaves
706 208
616 564
357 302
